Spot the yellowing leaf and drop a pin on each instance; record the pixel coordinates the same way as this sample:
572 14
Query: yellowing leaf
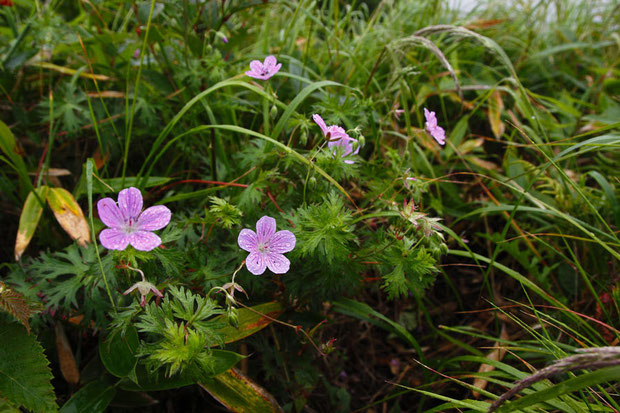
68 366
31 213
69 215
240 394
14 303
496 105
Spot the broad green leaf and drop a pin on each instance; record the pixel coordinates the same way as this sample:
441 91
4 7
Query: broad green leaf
69 215
29 219
8 146
92 398
156 381
224 360
240 394
25 378
118 353
251 320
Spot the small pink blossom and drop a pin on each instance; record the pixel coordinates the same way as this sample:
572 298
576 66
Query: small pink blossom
406 181
398 112
144 287
266 247
264 70
436 132
136 53
128 224
337 137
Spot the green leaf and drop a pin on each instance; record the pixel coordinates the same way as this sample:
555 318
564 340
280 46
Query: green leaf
608 374
25 378
224 360
92 398
29 219
251 320
118 353
8 146
157 380
239 394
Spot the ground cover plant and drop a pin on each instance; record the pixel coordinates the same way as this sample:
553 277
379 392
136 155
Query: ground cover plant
309 206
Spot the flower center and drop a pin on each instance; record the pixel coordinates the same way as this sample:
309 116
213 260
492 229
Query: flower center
262 248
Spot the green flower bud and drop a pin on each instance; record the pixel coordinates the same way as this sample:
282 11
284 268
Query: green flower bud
274 112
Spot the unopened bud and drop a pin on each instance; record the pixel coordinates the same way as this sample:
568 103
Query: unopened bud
274 112
233 316
362 141
312 181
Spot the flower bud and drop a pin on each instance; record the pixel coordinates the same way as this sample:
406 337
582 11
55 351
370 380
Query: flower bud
312 181
362 141
274 112
233 316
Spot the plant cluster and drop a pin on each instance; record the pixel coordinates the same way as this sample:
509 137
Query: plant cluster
298 202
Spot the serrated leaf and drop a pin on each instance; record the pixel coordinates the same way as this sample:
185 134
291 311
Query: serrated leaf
14 303
29 219
69 215
251 320
92 398
25 378
240 394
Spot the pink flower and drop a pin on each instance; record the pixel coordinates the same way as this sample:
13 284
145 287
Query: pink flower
265 70
398 112
266 247
337 137
144 287
128 225
436 132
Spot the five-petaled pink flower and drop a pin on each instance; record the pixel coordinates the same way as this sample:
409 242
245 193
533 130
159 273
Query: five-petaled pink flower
266 247
128 225
436 132
337 138
264 71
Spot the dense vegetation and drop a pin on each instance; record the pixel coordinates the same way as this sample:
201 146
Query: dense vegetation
423 276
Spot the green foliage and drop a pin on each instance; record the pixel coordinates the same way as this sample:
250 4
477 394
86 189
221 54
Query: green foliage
66 280
181 329
25 378
412 269
324 231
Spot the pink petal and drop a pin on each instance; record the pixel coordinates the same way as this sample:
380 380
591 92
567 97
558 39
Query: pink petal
109 213
255 263
319 121
254 75
144 240
247 240
439 134
281 242
335 130
277 263
270 61
265 228
275 69
114 239
431 119
130 203
256 66
155 291
154 218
